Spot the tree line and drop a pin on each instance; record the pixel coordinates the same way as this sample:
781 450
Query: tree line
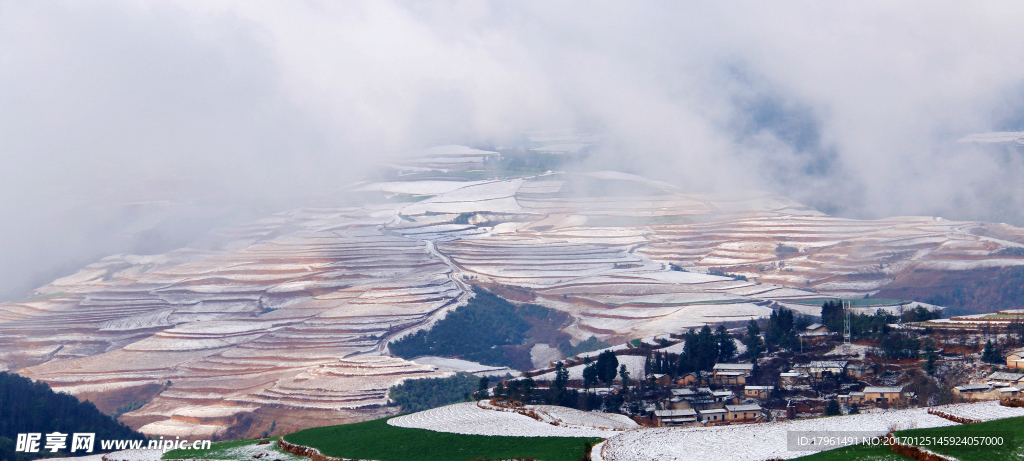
33 407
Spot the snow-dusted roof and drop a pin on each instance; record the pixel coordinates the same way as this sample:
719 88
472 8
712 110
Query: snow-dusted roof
828 364
675 413
731 373
759 388
747 407
734 367
973 387
1005 376
814 326
882 390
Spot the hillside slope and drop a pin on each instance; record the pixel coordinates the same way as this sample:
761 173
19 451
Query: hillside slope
286 321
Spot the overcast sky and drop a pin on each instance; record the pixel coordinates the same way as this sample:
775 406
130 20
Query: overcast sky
214 109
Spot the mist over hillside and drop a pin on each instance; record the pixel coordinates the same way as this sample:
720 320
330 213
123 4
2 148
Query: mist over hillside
137 128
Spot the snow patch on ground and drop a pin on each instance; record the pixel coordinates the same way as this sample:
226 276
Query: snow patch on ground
542 355
450 364
750 442
469 418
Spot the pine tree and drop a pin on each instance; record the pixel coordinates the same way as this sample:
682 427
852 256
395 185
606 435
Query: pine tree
832 315
753 341
481 390
990 354
706 352
726 345
833 408
590 376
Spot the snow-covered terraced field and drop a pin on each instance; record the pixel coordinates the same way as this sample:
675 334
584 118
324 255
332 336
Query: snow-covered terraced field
752 442
982 411
292 312
469 418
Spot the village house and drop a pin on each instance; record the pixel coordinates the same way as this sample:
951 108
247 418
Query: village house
816 328
1008 392
859 371
700 399
1003 378
664 418
742 413
712 416
977 391
731 374
883 394
1015 359
688 379
819 368
661 379
722 396
792 378
851 398
815 333
758 392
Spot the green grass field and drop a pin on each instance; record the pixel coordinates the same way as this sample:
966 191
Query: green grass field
1012 430
379 441
856 453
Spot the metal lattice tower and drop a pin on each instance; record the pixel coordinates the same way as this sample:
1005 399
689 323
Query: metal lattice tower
846 322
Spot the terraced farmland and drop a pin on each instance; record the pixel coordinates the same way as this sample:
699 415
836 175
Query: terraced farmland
288 318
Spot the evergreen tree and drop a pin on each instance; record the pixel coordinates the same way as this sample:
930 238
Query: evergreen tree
990 354
929 367
781 329
590 376
706 352
481 390
607 366
726 345
752 340
558 393
624 375
833 408
832 315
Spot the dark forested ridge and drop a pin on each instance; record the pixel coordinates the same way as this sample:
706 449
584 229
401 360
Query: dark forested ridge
488 330
27 407
963 292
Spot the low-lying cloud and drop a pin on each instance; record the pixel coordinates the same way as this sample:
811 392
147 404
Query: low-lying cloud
209 112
